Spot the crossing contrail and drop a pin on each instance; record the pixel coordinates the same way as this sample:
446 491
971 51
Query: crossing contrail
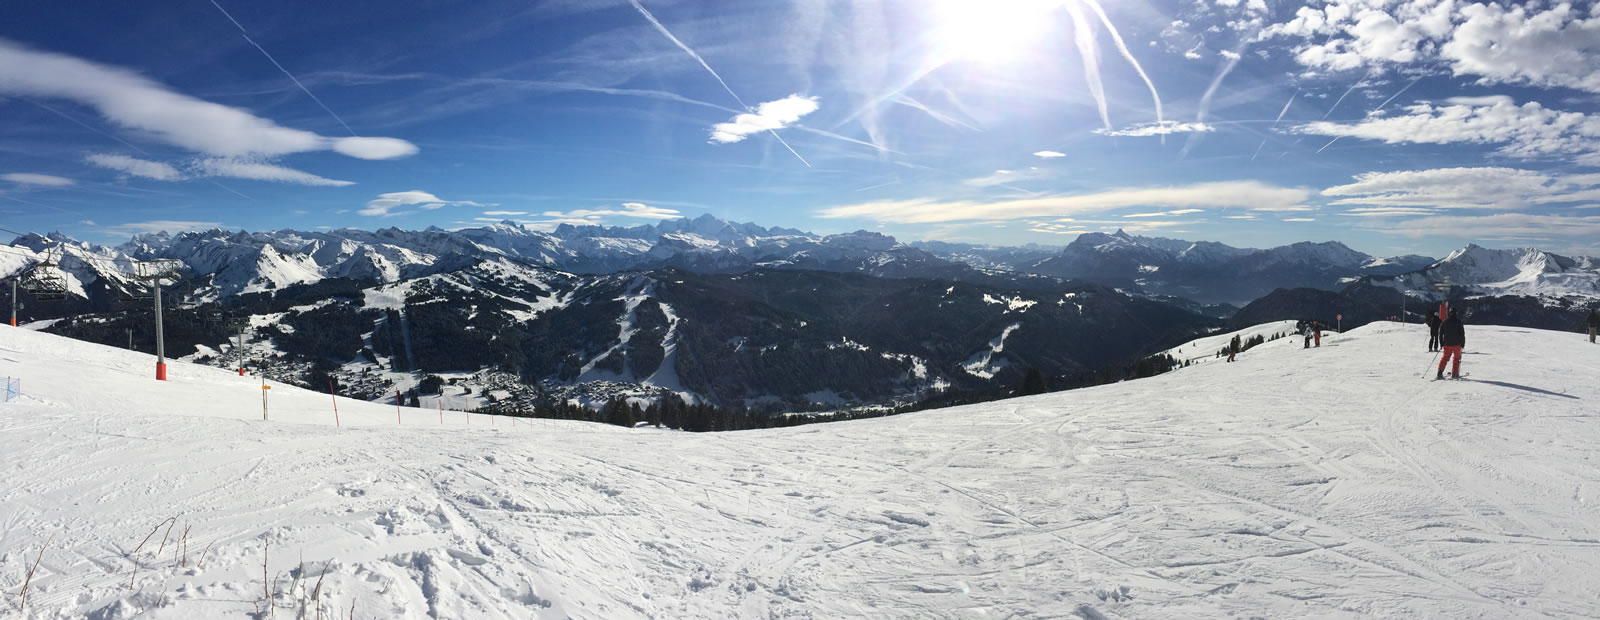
1282 112
1396 94
1347 92
696 56
274 62
1083 35
1123 47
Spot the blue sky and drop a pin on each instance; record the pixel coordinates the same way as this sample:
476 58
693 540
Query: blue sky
1396 126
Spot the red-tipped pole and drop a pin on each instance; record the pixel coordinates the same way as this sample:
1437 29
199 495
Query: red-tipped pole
331 396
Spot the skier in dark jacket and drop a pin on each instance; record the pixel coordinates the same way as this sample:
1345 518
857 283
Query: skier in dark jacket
1433 332
1594 324
1233 347
1452 337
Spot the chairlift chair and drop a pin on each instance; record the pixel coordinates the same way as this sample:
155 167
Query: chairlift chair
44 281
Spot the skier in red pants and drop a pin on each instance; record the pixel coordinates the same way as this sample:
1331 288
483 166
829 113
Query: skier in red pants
1452 337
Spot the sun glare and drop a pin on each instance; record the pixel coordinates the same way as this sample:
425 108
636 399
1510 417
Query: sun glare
989 31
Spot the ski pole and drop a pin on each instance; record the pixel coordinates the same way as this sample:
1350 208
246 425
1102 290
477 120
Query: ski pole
1431 361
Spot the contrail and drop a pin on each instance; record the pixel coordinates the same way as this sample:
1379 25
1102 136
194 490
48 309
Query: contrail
1282 112
1205 101
1347 92
1083 33
692 54
696 56
1211 91
1396 94
1380 107
1123 47
274 61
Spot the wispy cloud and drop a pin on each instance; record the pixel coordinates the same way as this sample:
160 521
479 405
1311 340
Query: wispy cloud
156 226
135 102
1465 188
385 204
1160 128
769 116
504 213
629 209
135 167
1049 154
1526 225
1007 177
1165 213
31 178
1247 194
261 171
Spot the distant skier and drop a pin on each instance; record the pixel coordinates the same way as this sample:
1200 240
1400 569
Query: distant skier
1316 332
1233 347
1594 325
1433 332
1452 337
1306 331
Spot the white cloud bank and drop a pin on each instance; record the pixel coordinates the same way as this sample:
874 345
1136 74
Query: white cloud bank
385 204
1049 154
1237 194
32 178
1525 131
769 116
135 102
1499 43
1463 188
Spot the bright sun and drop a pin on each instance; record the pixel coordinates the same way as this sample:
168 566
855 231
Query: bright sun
989 31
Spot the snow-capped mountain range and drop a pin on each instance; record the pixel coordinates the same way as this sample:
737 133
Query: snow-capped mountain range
1210 272
219 264
1476 270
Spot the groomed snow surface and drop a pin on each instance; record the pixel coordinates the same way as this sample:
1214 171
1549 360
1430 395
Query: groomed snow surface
1331 482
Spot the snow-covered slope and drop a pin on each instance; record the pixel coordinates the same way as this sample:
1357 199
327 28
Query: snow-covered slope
1329 483
1202 350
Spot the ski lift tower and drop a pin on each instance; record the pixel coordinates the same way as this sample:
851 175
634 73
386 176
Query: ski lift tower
1443 288
154 271
238 323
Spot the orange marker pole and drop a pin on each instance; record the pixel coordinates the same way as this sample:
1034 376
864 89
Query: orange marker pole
441 410
335 400
397 406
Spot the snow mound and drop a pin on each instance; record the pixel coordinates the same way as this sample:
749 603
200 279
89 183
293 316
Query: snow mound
1331 482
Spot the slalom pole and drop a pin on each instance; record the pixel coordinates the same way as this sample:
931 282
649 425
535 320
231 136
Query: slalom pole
397 406
441 409
335 400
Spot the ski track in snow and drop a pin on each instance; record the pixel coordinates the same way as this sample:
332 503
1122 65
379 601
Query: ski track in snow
1332 482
